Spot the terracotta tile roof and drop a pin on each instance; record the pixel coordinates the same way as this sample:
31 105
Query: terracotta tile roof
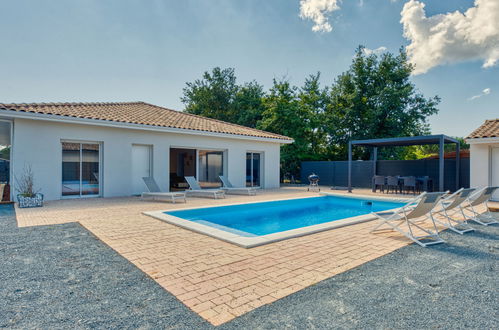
488 129
139 113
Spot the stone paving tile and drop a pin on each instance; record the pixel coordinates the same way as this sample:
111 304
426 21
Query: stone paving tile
75 210
218 280
221 281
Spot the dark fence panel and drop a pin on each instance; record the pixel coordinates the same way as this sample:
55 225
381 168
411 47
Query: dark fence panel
464 172
336 173
325 170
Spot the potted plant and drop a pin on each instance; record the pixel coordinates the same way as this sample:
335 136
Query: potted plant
28 196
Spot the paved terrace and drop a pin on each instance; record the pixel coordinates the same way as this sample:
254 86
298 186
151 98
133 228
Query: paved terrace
217 280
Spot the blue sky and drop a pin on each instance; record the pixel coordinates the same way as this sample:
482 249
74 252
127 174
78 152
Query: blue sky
128 50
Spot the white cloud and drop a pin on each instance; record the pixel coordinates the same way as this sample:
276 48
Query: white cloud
376 51
486 91
451 37
318 11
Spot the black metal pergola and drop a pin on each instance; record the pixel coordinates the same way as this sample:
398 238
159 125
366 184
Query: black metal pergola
440 139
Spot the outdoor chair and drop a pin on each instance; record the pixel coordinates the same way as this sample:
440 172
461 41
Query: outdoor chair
392 183
230 189
417 208
196 190
424 183
379 181
452 205
409 184
481 197
156 194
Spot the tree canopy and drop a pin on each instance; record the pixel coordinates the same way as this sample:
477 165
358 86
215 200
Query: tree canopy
218 96
374 98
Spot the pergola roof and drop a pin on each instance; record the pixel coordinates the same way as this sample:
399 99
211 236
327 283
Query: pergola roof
439 139
405 141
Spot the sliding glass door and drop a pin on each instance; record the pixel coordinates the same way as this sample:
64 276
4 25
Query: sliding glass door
210 168
5 152
80 169
182 163
253 164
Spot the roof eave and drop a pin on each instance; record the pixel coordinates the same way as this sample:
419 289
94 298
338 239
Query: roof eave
482 140
107 123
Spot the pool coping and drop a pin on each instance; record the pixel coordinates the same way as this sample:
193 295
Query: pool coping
254 241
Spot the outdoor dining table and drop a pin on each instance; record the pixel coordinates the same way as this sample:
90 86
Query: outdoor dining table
424 182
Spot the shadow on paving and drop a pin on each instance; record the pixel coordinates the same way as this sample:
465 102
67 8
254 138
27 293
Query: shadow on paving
61 276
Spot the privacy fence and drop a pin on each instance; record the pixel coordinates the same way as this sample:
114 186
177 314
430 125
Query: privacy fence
335 173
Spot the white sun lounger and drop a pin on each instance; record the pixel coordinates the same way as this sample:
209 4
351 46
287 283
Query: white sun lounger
451 205
417 208
195 189
156 194
230 189
481 197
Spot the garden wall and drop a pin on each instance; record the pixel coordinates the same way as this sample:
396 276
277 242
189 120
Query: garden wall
335 173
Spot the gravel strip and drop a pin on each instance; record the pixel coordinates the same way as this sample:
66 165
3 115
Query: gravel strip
61 276
448 286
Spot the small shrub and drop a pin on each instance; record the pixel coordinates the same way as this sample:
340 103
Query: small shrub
25 184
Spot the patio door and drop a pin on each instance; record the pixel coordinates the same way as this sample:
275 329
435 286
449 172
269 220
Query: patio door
182 163
495 171
253 169
210 167
80 169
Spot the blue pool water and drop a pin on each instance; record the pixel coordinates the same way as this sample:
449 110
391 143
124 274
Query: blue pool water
264 218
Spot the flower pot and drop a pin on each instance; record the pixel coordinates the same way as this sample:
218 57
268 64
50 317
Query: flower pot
31 201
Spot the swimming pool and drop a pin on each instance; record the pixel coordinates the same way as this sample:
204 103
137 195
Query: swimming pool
252 224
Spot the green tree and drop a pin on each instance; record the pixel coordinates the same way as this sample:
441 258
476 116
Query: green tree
284 115
213 95
375 98
313 100
248 104
425 151
217 95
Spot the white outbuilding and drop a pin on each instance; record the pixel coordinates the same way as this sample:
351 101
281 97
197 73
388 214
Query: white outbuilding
484 155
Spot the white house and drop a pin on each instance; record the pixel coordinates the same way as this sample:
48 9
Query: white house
484 155
104 149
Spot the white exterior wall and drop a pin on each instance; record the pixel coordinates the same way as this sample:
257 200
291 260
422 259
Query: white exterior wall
38 143
481 165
